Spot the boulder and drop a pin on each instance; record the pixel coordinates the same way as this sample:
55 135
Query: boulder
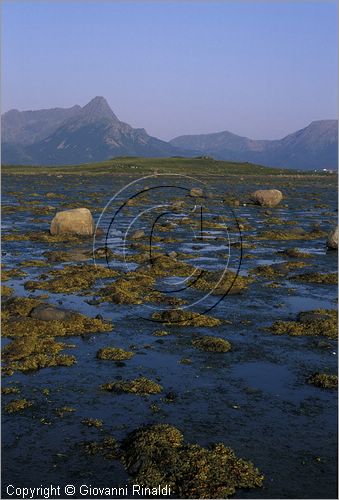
332 240
46 312
138 234
267 197
196 192
76 221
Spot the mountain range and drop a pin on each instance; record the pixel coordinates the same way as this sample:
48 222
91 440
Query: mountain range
61 136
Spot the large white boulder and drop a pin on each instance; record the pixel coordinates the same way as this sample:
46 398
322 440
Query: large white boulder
267 197
76 221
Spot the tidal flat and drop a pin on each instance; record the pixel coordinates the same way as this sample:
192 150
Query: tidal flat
243 382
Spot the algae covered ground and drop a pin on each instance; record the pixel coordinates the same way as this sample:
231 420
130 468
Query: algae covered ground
192 345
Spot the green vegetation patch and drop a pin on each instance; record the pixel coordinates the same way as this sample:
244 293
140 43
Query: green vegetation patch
211 344
323 380
114 354
157 454
141 386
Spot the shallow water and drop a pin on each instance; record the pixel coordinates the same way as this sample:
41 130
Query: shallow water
254 398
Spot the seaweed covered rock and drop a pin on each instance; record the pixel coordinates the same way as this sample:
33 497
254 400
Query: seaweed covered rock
332 240
267 197
219 283
47 312
276 270
157 454
141 386
323 380
92 422
17 405
132 288
33 340
6 292
211 344
67 256
114 354
295 253
185 318
72 278
311 323
166 265
77 221
320 278
107 447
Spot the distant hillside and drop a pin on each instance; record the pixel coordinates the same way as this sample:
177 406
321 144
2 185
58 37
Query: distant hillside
93 133
75 135
314 147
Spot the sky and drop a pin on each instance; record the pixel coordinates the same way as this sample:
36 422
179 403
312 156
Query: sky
258 69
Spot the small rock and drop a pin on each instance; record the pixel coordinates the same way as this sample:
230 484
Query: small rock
332 241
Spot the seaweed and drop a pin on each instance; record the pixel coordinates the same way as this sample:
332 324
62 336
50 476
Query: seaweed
321 278
295 253
72 278
108 447
141 386
33 344
114 354
64 410
311 323
17 405
211 344
323 380
133 288
6 291
276 270
156 454
219 283
10 390
185 318
92 422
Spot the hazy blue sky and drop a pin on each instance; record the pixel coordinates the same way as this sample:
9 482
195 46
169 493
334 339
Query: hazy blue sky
261 69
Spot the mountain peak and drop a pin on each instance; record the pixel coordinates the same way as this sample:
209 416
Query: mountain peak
98 108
